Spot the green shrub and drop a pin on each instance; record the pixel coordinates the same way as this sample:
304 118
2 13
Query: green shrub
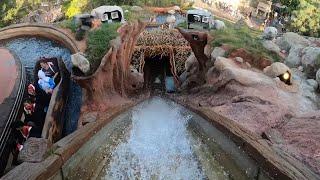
183 25
98 43
242 37
68 24
74 7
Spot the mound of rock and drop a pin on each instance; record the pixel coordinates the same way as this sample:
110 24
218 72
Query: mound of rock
311 60
136 8
82 63
290 39
270 33
294 58
217 52
318 76
271 46
265 105
276 69
219 24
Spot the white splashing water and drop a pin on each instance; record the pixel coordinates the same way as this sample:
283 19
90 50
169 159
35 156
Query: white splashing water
158 146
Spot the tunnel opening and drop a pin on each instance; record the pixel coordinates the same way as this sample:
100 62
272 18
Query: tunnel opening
158 76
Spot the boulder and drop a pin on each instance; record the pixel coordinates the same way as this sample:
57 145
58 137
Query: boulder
290 39
271 46
311 61
219 24
183 77
171 21
34 150
135 80
89 118
313 83
176 8
276 69
217 52
208 50
78 60
191 65
136 8
270 33
239 59
318 76
294 58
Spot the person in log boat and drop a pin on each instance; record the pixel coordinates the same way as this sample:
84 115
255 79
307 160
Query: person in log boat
48 68
47 74
34 115
46 83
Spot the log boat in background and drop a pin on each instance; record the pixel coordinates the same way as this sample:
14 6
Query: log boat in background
12 88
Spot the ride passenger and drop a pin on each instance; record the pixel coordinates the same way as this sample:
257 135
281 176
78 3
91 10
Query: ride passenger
45 83
48 68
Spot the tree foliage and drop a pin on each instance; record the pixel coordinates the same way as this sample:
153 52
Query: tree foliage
306 17
75 7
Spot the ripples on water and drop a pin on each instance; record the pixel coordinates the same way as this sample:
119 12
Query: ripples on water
158 146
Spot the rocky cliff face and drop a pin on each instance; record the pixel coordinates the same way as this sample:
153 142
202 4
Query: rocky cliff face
114 80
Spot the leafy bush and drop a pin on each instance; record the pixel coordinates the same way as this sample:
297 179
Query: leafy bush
307 18
98 43
69 24
75 7
183 25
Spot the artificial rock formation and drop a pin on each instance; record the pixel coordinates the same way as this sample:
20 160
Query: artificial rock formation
199 41
114 79
78 60
263 105
256 61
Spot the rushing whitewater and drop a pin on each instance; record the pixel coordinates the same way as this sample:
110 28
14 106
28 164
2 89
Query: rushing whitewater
159 139
158 146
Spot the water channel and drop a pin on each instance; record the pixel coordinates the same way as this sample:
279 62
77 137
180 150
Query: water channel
159 139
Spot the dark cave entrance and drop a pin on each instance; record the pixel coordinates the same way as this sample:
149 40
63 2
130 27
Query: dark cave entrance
157 72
